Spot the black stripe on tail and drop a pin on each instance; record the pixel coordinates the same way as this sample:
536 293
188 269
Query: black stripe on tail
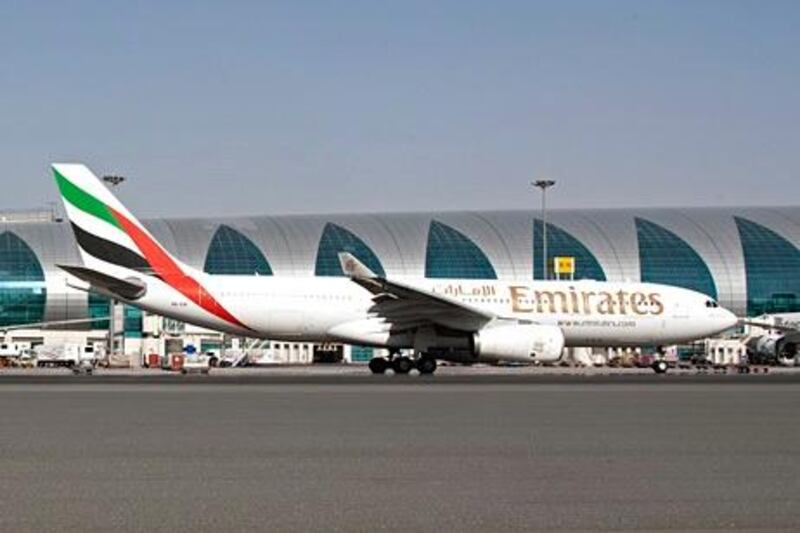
111 252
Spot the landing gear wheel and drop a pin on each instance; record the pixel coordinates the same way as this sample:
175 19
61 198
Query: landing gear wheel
378 365
426 365
402 365
660 367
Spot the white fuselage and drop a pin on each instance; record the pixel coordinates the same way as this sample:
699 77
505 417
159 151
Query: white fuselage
313 309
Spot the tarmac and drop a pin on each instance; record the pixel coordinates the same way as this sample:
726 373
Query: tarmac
333 450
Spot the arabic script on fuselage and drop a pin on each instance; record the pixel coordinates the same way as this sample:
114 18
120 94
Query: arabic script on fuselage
526 299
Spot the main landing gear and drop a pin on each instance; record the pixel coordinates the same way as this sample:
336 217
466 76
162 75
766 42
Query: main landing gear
401 364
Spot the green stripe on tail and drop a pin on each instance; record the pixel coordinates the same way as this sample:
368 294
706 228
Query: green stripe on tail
84 201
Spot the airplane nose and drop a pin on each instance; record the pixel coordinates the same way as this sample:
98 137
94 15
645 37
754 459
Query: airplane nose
727 319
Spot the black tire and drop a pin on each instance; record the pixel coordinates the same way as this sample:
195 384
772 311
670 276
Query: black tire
660 367
378 365
426 365
402 365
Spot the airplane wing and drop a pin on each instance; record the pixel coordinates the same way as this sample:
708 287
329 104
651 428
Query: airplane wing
405 307
781 324
767 325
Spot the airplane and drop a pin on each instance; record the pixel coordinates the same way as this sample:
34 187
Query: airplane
456 320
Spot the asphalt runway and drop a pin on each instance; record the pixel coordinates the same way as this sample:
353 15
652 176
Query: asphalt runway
405 454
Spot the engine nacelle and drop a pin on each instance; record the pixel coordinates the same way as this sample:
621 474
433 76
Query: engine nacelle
519 343
774 348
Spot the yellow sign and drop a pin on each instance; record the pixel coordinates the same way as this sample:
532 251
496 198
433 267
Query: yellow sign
564 265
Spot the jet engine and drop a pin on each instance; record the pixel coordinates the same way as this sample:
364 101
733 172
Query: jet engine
774 348
519 343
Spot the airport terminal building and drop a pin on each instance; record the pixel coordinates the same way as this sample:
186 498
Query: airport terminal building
748 258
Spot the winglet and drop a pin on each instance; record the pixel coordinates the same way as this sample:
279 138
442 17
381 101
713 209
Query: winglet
354 268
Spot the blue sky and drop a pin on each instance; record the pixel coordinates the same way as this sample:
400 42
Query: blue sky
300 107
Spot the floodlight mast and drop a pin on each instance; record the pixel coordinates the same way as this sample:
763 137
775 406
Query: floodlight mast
544 185
113 181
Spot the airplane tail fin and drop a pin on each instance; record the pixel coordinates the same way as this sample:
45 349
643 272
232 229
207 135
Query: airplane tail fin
113 243
110 238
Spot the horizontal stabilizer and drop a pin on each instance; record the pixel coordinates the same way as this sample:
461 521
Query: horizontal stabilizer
52 324
126 289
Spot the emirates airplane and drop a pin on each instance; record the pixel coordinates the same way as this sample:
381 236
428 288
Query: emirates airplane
455 320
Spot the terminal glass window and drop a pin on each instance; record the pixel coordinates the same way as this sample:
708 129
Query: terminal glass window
451 254
336 239
232 253
132 322
772 269
561 243
666 258
22 287
99 307
361 354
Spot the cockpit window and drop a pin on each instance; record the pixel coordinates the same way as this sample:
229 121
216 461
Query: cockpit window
711 303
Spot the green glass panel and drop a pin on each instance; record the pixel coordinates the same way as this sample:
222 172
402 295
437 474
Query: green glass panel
360 354
666 258
337 239
452 255
99 306
772 269
208 346
132 322
560 243
231 253
23 292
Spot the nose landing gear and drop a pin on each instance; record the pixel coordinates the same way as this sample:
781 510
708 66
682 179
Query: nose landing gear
660 366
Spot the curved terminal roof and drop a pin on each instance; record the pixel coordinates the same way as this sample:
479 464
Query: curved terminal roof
722 251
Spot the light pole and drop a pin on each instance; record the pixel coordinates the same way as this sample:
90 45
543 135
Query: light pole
544 185
113 181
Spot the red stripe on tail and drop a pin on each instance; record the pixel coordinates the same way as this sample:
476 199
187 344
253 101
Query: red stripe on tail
171 273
